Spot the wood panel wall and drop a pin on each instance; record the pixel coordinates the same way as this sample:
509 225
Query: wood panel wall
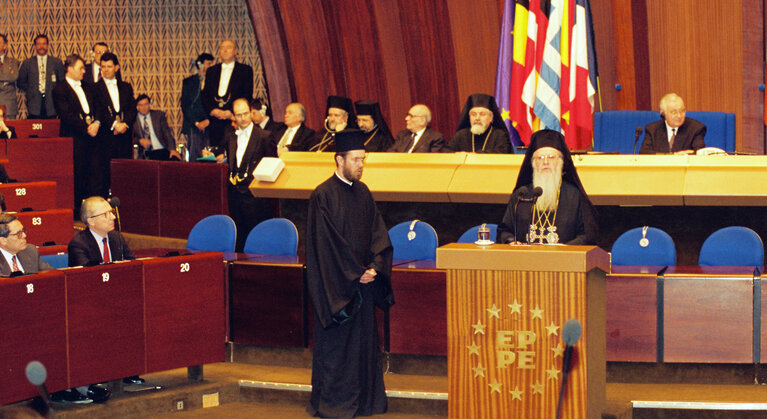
402 52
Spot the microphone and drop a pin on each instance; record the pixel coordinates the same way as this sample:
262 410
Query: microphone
523 191
571 332
537 191
637 134
115 202
36 374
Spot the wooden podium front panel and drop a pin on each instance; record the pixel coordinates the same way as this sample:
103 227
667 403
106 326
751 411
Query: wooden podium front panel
105 318
190 192
504 353
708 319
418 319
54 225
33 329
137 184
35 195
185 313
632 313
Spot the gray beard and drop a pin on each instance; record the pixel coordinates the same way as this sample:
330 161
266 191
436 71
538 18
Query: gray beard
550 183
478 129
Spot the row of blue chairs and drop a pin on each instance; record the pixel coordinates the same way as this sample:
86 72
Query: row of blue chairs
217 233
729 246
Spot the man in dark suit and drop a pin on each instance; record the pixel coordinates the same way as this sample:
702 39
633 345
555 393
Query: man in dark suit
118 107
152 133
294 135
80 112
9 74
418 137
38 89
245 148
674 133
262 116
18 255
224 83
93 69
99 242
195 125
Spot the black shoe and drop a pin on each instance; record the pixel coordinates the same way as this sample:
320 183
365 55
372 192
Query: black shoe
70 396
133 380
98 394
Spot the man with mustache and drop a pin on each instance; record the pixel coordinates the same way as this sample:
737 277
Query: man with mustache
481 128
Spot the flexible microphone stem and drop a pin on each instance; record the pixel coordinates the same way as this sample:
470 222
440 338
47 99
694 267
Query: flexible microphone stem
571 332
637 134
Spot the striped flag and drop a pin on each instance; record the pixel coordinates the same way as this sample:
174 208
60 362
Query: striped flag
547 69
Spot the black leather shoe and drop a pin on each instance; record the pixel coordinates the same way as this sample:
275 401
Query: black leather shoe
98 394
70 396
133 380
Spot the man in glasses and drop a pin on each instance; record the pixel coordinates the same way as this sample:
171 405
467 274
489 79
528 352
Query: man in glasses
18 255
560 212
98 243
674 133
418 137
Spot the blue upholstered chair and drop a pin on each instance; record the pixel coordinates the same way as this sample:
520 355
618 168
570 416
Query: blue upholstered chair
216 233
423 245
276 236
614 130
57 261
659 249
732 246
470 235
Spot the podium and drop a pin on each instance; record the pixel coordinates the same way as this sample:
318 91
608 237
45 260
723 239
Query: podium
505 310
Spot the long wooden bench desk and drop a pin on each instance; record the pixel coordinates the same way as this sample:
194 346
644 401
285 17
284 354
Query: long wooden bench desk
42 159
36 195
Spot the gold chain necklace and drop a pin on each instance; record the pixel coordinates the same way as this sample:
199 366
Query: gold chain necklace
483 145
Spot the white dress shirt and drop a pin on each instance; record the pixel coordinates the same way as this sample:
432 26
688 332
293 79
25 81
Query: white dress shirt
243 136
100 241
226 75
415 140
146 120
9 260
78 88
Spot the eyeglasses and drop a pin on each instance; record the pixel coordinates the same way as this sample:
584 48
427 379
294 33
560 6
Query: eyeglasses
676 112
112 211
416 116
543 157
18 233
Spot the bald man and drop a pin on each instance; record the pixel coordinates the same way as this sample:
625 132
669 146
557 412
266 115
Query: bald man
418 137
674 133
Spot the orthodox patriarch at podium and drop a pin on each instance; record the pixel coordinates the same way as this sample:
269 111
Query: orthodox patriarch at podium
560 212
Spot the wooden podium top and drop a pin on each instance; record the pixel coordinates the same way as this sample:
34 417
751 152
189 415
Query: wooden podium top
550 258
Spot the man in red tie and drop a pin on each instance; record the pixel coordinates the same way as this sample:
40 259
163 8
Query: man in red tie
18 255
98 243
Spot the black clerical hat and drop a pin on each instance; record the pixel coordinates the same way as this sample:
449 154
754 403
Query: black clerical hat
483 101
349 139
366 107
341 102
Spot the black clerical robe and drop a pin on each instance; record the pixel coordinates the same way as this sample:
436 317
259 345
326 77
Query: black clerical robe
346 236
571 218
491 141
376 141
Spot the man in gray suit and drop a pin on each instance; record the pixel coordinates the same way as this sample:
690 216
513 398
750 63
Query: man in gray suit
38 89
17 254
9 72
152 133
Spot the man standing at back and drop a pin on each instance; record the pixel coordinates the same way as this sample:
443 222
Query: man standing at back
348 262
9 73
38 76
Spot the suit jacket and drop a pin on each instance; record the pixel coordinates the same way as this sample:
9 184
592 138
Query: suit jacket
161 129
88 78
303 139
261 144
273 126
127 104
9 73
28 81
71 112
30 261
431 141
240 86
191 103
84 250
689 136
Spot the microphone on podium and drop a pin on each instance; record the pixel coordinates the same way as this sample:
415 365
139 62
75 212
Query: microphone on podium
36 374
571 332
523 191
637 134
115 202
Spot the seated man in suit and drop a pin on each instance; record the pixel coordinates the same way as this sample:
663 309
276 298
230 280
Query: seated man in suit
674 133
18 255
5 130
418 137
294 135
152 133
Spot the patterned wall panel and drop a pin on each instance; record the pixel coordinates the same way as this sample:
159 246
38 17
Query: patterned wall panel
156 41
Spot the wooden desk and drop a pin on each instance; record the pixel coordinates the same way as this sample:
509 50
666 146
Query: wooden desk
54 225
137 184
43 159
36 195
35 128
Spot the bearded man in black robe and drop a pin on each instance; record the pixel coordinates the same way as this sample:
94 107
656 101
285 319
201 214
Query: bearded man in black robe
340 116
562 213
348 268
481 128
370 120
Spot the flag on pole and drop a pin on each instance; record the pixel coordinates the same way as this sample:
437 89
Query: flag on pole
547 69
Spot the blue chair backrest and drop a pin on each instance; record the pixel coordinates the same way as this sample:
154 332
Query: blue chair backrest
422 247
215 233
660 248
57 261
614 130
732 246
470 235
276 236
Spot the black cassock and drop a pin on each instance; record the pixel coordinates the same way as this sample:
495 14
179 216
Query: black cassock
378 141
498 141
346 235
570 222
